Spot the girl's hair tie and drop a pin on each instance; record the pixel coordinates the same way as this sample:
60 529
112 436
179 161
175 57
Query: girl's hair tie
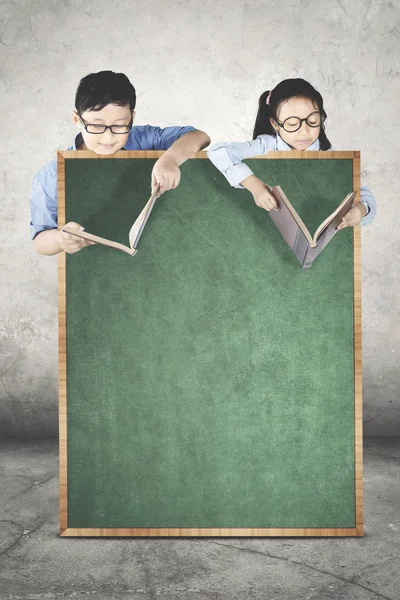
269 97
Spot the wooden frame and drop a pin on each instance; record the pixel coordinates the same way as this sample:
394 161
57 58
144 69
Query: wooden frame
210 532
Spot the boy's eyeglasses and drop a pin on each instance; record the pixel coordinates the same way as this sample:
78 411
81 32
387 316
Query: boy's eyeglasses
96 128
315 119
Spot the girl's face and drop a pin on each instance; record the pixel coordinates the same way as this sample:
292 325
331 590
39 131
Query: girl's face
301 108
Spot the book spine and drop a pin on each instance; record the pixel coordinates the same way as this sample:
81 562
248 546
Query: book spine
309 258
301 247
312 254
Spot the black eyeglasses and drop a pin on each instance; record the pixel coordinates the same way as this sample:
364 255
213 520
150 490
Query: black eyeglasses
315 119
97 128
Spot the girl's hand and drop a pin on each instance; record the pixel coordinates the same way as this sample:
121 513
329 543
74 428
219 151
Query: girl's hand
166 173
264 199
353 216
70 243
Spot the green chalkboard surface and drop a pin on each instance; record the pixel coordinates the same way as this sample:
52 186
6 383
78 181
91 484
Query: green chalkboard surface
210 379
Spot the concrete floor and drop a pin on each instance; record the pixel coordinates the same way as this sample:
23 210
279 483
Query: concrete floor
35 563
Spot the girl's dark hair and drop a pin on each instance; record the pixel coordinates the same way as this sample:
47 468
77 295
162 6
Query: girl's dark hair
96 90
288 88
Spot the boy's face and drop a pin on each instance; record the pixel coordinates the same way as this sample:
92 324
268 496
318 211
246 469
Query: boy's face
301 108
107 142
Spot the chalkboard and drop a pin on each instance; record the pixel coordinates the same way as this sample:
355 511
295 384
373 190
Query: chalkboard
209 386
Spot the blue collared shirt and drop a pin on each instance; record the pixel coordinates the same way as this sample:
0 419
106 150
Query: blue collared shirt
228 157
43 197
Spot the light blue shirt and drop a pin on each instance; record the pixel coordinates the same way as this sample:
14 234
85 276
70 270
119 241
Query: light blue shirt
228 157
43 198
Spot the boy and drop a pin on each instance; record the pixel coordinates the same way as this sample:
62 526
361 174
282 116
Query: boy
105 104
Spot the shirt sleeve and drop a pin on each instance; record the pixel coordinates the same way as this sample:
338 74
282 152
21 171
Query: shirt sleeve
162 139
228 157
43 206
368 200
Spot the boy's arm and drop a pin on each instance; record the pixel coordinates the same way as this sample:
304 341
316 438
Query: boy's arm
185 146
48 242
43 208
54 241
166 172
47 238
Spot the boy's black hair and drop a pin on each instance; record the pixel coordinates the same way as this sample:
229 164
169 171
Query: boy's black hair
96 90
288 88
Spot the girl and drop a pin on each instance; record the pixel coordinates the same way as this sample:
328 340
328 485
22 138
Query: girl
290 117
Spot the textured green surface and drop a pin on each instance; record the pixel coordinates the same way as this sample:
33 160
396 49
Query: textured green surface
210 378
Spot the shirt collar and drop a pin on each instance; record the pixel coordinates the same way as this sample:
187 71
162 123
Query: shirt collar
79 140
282 145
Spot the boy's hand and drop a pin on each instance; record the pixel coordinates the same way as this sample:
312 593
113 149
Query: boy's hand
70 243
166 173
264 199
353 216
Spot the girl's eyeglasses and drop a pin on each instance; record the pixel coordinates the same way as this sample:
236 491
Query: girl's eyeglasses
315 119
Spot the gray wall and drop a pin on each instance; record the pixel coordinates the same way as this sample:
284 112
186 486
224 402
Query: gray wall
202 63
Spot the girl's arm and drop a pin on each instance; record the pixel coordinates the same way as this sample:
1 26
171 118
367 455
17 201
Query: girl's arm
368 200
228 157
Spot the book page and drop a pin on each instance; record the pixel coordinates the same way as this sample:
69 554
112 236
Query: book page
287 220
138 226
337 216
98 240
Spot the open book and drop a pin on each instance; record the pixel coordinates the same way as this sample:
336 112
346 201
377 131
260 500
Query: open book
304 246
134 233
